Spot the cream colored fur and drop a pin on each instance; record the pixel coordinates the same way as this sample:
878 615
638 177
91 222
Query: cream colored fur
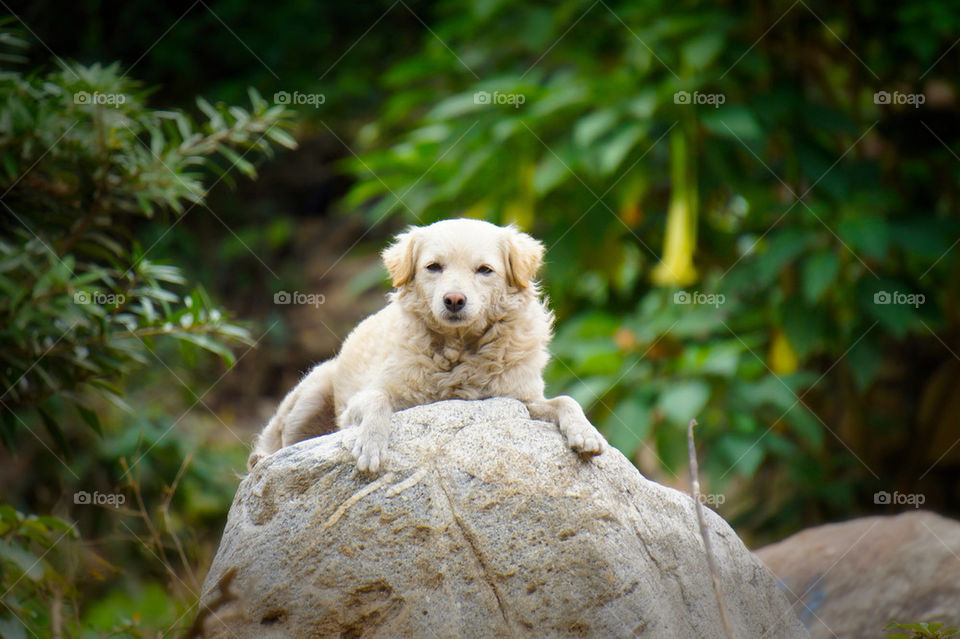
416 351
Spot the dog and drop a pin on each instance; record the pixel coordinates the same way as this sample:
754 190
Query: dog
465 321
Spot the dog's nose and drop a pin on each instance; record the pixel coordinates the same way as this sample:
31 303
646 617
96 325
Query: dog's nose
454 301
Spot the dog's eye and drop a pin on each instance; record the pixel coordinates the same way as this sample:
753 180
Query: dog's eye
484 270
433 267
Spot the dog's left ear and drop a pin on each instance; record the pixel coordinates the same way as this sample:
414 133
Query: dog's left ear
524 257
400 258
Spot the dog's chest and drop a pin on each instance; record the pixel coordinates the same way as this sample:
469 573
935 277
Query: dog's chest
454 371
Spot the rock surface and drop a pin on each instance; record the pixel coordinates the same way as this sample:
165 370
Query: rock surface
849 580
485 525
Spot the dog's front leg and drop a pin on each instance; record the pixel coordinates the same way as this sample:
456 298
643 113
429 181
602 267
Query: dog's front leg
565 412
369 411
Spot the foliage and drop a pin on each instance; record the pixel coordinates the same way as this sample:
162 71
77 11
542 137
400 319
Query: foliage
922 631
662 145
82 303
29 579
84 164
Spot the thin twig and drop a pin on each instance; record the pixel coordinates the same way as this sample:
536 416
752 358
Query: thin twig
155 537
56 613
165 512
698 505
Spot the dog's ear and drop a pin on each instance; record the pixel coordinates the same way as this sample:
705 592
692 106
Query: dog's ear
524 257
400 257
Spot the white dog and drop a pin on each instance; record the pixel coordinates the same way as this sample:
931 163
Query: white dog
465 321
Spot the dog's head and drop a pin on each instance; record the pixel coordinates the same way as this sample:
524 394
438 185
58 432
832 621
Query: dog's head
457 273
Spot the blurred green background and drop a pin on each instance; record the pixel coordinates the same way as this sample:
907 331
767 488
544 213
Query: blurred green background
750 210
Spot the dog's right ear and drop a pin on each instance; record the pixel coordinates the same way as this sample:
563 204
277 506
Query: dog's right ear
400 257
524 255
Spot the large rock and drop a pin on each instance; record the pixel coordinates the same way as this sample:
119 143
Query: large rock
849 580
486 525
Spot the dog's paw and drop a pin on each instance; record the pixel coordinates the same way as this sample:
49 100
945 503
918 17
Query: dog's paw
369 453
584 438
253 460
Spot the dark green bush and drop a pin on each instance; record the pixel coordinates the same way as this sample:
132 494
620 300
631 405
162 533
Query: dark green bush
83 306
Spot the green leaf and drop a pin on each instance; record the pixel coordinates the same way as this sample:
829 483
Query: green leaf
819 272
734 122
457 105
239 162
57 524
866 235
53 427
644 105
781 249
591 126
91 418
550 173
281 137
29 565
216 120
699 52
208 343
744 453
721 358
803 326
8 513
683 401
612 153
805 425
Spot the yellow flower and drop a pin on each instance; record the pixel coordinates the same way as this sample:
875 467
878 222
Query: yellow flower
680 238
783 359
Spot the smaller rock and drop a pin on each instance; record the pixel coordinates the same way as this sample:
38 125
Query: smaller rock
851 579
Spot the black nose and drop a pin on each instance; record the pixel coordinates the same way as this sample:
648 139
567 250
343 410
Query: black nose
454 301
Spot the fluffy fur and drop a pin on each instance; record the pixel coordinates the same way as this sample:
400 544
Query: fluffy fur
422 349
